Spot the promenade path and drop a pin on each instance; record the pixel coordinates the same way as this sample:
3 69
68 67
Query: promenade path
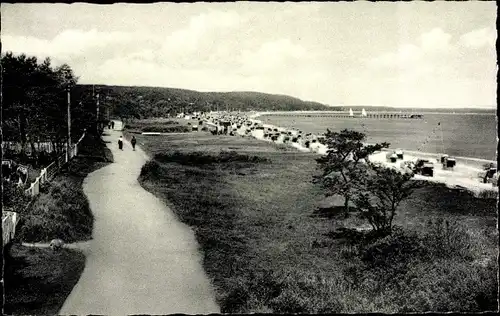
141 259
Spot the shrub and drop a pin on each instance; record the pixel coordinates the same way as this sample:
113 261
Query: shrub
14 196
167 129
140 125
429 271
448 238
63 212
394 250
488 194
201 158
443 286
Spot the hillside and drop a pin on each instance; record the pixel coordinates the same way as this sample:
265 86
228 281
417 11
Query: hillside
141 102
144 102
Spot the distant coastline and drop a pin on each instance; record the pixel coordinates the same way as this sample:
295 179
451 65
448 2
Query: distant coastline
475 160
261 113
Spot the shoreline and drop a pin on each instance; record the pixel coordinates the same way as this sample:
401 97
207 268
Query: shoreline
464 176
462 159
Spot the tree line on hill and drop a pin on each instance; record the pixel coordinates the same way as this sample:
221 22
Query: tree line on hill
35 101
145 102
129 102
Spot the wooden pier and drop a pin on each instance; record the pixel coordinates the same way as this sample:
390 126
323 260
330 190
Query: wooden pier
398 116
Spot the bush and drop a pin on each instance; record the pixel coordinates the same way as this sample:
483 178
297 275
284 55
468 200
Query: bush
167 129
396 249
140 125
443 286
488 194
429 271
201 158
14 197
63 212
447 238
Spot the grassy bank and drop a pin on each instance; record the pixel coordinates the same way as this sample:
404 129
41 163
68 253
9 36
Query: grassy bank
62 210
38 280
158 126
268 241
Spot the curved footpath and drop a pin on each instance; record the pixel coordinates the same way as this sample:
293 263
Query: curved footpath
141 259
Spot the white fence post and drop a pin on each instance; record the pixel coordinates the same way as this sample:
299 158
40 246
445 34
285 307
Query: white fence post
37 186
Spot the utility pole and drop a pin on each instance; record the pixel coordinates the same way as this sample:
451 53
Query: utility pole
69 123
97 103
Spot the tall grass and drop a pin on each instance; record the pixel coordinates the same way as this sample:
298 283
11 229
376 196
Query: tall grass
61 210
265 252
158 127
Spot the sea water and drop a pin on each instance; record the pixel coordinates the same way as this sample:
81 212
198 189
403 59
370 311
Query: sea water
463 135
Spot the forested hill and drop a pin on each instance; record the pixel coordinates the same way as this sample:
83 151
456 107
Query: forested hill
141 102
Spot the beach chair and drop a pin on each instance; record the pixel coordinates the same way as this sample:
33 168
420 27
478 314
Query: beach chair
443 159
451 162
392 157
399 154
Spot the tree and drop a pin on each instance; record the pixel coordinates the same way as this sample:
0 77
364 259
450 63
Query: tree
34 100
342 166
384 189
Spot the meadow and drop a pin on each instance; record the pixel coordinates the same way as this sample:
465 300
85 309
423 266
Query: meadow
270 240
462 135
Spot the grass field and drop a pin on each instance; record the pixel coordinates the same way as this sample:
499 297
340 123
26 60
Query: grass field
268 248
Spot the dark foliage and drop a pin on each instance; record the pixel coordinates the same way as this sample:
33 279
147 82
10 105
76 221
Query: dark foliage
201 158
144 102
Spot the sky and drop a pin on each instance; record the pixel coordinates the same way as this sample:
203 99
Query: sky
416 54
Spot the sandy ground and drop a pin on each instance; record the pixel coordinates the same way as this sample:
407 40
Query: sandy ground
141 259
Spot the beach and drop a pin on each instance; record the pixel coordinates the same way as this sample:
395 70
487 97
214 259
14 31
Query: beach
461 135
467 174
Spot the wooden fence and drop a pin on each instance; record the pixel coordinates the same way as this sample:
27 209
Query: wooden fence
49 172
9 218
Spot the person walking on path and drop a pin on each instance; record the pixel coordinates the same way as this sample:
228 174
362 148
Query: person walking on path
113 124
141 259
133 142
120 142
